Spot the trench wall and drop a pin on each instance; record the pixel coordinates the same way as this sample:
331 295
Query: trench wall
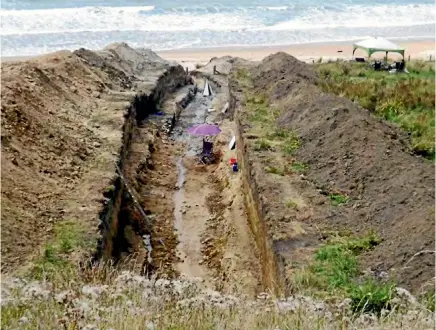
271 264
141 106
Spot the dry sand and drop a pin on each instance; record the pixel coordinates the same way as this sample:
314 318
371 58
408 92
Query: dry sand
305 52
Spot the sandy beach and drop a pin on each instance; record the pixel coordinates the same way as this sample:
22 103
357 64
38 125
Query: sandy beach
305 52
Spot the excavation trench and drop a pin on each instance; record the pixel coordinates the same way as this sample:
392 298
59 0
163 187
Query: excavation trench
168 215
127 225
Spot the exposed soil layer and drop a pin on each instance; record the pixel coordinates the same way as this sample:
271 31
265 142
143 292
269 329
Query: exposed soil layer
72 120
91 133
348 152
67 120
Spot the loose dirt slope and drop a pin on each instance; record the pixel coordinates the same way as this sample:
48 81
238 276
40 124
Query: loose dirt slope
347 152
62 122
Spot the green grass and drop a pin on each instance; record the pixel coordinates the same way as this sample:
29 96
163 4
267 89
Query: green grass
262 116
407 100
428 300
291 144
299 167
290 204
275 170
278 134
335 271
338 199
262 144
371 296
55 259
259 109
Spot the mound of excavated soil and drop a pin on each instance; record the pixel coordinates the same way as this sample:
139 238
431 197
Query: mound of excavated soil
62 122
350 152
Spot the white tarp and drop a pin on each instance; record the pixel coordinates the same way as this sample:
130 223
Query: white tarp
376 44
232 143
207 89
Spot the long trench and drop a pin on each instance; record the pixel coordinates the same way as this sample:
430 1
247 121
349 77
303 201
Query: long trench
176 216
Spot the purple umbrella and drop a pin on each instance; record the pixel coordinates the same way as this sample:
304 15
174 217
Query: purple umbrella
204 130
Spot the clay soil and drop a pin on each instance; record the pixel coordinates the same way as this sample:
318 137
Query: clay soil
348 152
59 146
62 133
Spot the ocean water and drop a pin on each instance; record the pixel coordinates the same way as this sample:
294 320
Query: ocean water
31 27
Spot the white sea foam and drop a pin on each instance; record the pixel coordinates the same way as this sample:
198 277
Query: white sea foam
31 32
362 16
70 20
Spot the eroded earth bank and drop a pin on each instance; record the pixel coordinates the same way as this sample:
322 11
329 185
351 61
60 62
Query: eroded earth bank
97 165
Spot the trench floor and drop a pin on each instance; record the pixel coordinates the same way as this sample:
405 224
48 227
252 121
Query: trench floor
200 211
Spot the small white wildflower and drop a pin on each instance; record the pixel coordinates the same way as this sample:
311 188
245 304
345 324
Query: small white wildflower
36 290
82 305
63 296
150 326
23 320
94 291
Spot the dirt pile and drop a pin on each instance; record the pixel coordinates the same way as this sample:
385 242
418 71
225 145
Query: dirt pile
352 154
62 132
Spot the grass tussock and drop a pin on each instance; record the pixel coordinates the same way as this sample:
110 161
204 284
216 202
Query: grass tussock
261 145
408 100
299 167
56 259
275 170
338 199
335 271
262 115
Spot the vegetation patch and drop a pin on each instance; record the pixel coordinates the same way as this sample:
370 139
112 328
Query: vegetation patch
335 271
262 144
299 167
428 300
291 204
278 134
338 199
407 100
291 144
55 259
275 170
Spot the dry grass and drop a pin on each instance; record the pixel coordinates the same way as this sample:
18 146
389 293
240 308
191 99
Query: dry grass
407 100
104 298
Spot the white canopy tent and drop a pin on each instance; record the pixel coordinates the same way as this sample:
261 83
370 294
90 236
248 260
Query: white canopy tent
373 45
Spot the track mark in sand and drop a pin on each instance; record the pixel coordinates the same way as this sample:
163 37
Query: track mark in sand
190 215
